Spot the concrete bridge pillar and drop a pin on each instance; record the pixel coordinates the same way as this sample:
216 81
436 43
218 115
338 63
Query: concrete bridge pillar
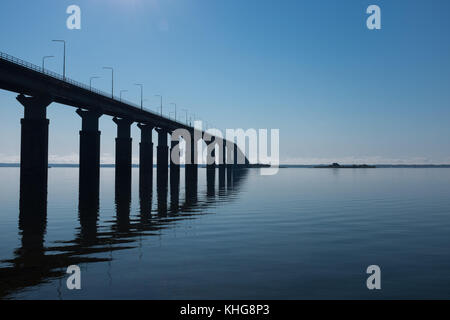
162 157
146 158
174 162
222 164
162 171
240 158
123 155
230 155
229 163
235 155
223 154
89 173
174 176
211 153
210 181
211 167
191 170
34 149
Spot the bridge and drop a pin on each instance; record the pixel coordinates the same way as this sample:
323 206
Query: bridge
37 88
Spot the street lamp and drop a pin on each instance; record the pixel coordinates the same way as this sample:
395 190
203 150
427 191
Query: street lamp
158 95
142 94
90 81
64 63
175 110
43 61
185 110
122 91
112 80
193 118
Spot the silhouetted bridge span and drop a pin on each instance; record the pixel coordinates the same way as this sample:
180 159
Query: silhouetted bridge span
38 88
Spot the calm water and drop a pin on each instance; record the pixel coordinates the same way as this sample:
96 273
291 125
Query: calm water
302 234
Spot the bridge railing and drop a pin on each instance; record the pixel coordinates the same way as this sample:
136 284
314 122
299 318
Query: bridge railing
59 77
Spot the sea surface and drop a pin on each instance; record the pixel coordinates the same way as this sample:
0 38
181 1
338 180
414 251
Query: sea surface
302 234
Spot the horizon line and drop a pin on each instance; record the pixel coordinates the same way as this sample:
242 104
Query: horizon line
17 164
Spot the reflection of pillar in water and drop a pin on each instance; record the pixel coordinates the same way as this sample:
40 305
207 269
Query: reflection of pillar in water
174 196
145 201
162 196
210 181
88 209
123 207
191 191
230 177
222 173
32 222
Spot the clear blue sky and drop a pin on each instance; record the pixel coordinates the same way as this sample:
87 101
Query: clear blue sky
312 69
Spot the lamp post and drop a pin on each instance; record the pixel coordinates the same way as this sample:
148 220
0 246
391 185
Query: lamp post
112 80
175 110
122 91
64 61
185 110
90 81
142 94
43 61
158 95
193 118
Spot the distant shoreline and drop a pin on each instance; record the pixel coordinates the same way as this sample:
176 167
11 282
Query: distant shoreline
282 166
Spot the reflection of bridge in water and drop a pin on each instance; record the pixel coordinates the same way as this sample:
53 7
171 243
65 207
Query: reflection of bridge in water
35 264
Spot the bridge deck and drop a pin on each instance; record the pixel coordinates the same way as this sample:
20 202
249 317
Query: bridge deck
20 76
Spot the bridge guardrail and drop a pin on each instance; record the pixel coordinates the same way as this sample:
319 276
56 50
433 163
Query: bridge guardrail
59 77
